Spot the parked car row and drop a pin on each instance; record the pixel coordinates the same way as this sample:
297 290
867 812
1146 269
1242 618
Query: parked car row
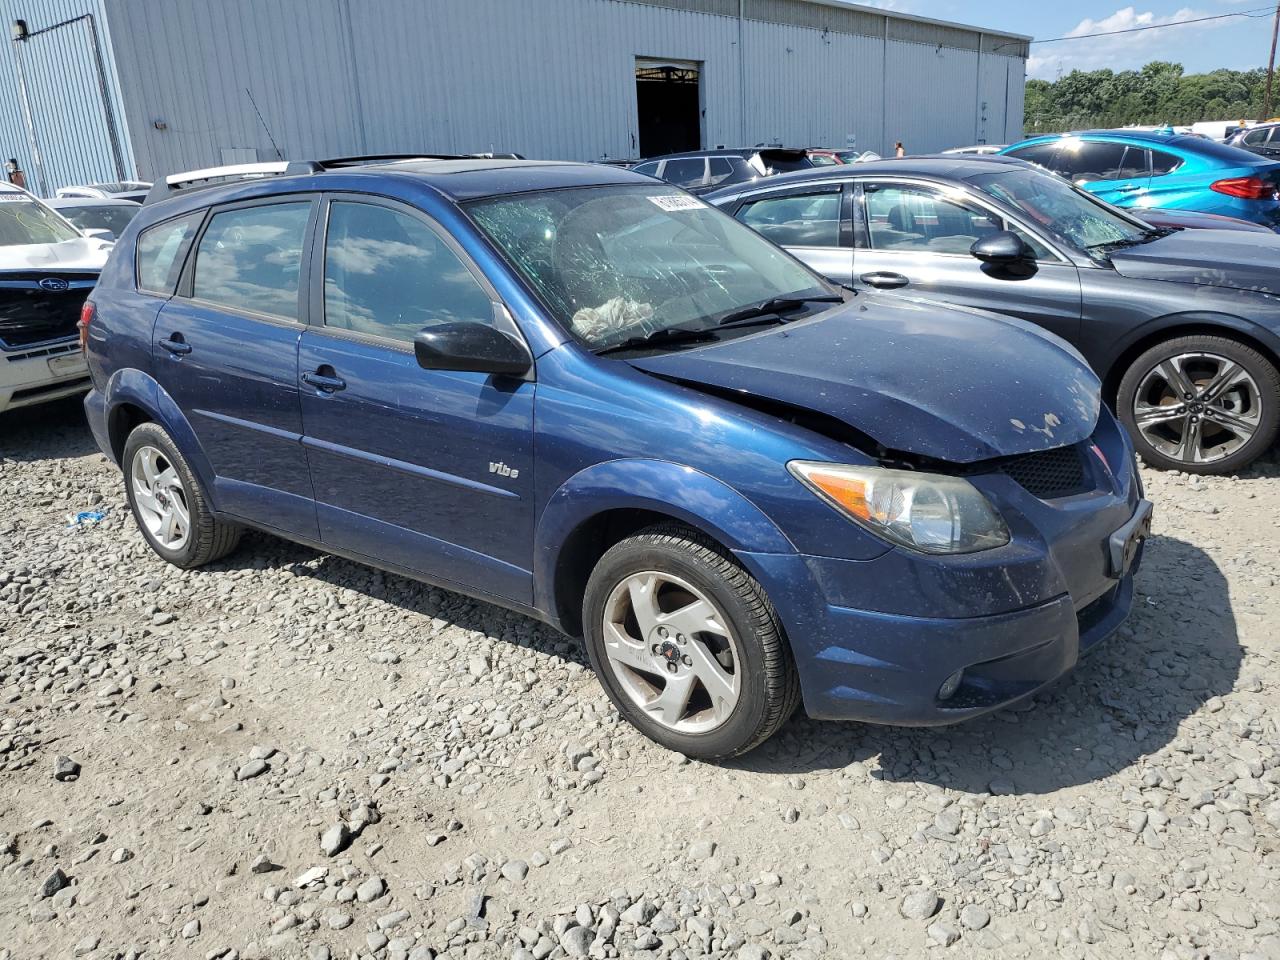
841 435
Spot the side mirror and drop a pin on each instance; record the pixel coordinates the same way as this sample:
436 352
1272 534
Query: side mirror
1002 249
470 345
100 234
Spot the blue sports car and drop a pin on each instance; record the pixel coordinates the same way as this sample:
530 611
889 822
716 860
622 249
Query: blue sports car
1162 171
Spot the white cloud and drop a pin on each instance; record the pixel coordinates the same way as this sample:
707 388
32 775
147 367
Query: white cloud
1120 52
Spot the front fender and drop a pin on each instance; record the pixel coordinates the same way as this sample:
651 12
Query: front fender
1176 324
658 486
132 387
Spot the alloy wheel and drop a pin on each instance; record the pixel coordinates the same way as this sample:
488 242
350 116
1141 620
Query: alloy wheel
672 651
160 498
1197 407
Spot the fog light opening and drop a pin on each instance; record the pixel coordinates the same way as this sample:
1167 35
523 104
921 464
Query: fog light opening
950 685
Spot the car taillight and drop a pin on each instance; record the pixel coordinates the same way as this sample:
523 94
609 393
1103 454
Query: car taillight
1246 188
86 317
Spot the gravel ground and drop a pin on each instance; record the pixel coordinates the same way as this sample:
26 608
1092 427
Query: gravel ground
289 755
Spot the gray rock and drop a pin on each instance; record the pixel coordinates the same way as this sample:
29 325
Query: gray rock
920 905
702 850
943 933
752 951
263 864
252 768
371 890
65 769
974 917
191 930
336 839
515 870
53 883
576 940
339 921
86 946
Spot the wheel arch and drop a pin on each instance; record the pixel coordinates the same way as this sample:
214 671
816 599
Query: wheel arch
1242 331
132 398
608 502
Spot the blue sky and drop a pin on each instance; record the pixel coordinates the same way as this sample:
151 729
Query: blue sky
1238 43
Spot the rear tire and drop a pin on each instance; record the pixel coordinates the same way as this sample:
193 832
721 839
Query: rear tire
168 503
1201 404
687 645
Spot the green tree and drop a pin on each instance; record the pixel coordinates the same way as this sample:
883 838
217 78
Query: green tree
1161 92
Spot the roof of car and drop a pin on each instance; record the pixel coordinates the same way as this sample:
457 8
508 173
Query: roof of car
955 166
727 152
1152 136
457 178
59 202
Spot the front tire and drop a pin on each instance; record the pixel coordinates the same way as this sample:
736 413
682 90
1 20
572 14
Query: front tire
687 645
168 503
1201 403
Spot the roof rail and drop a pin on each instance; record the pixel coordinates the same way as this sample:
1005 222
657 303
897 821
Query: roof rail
210 176
195 179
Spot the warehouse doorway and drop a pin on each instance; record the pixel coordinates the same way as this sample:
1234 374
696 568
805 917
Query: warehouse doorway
669 106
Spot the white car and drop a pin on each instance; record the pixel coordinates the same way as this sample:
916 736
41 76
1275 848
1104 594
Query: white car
47 268
134 190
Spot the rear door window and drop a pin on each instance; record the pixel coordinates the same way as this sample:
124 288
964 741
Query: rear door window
649 169
685 172
1091 160
250 258
796 220
161 251
1042 154
1163 163
720 169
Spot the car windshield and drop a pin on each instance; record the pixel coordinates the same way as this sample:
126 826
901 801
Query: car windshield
24 221
113 217
1060 207
615 263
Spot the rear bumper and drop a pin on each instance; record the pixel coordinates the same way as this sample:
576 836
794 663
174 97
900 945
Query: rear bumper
40 373
95 411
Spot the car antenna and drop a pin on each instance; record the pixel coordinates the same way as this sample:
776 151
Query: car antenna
279 155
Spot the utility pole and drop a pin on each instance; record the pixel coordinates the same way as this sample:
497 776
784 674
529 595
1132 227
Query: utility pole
1271 65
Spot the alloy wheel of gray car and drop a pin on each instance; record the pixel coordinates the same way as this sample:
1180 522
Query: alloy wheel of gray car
1202 404
170 506
687 645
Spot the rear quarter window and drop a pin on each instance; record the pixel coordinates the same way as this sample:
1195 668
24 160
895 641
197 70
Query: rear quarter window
161 251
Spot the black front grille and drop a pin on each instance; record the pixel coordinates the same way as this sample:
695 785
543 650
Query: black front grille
30 313
1049 473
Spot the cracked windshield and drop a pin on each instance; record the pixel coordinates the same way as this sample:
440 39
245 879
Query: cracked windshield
616 263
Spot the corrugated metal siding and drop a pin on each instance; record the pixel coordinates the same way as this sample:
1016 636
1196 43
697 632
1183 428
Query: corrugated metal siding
548 79
807 89
198 68
66 101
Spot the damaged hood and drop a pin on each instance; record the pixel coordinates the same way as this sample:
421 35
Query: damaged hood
1215 258
916 377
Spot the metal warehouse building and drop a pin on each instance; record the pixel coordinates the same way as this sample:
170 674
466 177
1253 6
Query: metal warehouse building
94 90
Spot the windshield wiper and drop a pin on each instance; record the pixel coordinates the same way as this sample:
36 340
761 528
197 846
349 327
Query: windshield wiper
659 337
774 305
1146 237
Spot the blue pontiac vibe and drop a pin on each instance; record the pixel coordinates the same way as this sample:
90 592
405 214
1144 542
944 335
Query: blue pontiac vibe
590 397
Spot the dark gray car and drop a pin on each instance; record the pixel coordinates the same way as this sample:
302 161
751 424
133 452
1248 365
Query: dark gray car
1182 325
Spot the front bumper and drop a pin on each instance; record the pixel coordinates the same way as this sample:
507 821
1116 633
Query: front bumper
880 667
41 372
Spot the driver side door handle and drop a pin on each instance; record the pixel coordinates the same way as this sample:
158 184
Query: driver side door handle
884 280
324 384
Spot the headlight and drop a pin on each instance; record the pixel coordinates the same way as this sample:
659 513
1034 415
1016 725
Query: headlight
923 511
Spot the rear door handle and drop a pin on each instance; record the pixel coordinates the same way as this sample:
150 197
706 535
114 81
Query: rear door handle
176 345
323 383
884 280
